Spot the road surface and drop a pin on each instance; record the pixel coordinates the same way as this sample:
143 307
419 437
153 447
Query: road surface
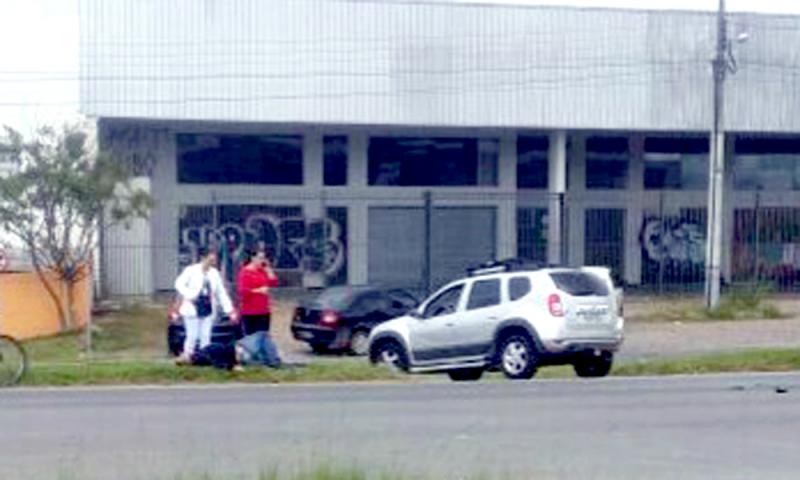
681 427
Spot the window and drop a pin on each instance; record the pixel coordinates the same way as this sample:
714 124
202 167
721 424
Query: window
532 165
432 161
445 303
335 159
369 303
402 300
484 293
676 163
607 160
240 159
532 234
518 287
579 284
767 164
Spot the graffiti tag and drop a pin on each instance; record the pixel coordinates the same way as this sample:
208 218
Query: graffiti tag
673 240
293 243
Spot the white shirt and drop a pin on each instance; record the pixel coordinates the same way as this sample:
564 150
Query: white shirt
189 284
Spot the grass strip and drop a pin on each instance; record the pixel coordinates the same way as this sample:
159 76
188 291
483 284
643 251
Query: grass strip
347 370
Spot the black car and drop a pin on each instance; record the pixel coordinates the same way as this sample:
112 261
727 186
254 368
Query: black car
340 318
224 331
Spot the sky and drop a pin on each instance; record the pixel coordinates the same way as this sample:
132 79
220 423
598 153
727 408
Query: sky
39 50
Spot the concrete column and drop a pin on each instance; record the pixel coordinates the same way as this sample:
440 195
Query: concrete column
576 199
634 214
314 206
358 211
358 164
129 253
557 186
357 246
165 216
507 206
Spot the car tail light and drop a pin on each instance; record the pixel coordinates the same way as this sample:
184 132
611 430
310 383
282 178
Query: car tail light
555 306
329 317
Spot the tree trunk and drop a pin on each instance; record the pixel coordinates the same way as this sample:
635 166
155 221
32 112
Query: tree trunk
65 320
69 316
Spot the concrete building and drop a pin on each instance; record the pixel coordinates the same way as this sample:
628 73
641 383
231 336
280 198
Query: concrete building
316 127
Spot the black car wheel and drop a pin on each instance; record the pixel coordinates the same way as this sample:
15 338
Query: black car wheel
517 357
390 353
591 365
466 374
359 342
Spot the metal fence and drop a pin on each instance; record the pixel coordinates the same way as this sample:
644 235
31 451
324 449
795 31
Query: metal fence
652 241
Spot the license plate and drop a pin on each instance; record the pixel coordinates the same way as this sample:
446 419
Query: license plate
593 314
306 335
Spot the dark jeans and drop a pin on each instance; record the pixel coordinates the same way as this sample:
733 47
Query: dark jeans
216 355
255 323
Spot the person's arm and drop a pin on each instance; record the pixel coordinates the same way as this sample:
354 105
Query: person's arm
182 285
222 294
251 285
272 277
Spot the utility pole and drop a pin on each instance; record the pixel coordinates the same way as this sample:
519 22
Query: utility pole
717 167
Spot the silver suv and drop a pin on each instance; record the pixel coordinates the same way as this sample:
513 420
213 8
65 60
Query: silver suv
511 318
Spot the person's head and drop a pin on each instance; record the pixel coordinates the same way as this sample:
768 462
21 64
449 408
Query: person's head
255 258
207 257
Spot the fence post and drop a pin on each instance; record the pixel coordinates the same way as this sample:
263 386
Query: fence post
426 269
757 246
662 234
562 257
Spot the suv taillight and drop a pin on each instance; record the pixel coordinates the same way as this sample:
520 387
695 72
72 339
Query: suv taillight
329 317
555 306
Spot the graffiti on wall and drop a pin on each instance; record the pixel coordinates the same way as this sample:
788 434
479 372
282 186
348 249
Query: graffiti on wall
134 145
673 240
292 241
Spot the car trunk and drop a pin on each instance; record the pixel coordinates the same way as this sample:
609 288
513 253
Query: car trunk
308 314
589 304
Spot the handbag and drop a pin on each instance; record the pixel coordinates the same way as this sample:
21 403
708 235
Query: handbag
202 303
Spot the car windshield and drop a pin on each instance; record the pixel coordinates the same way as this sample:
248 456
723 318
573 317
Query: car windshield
336 298
579 284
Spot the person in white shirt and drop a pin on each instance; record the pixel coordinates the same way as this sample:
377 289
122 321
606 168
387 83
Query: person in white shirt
203 295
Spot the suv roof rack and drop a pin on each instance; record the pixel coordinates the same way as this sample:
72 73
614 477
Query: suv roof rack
507 265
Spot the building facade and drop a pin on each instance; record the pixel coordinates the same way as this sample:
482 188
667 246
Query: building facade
394 141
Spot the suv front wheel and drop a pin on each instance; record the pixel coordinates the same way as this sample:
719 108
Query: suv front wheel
391 354
591 365
517 357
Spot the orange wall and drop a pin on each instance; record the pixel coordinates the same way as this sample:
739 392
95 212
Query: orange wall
27 311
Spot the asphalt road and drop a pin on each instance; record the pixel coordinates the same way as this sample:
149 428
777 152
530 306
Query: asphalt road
682 427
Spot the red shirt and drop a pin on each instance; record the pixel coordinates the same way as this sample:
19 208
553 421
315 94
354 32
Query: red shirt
249 279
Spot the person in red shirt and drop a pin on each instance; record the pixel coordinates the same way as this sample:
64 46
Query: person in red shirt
253 283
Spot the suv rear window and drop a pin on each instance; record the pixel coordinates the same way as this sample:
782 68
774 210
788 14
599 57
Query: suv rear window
579 284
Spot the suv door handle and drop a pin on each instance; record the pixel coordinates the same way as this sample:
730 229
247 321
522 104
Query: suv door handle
449 324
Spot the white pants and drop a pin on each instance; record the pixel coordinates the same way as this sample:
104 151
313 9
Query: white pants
197 328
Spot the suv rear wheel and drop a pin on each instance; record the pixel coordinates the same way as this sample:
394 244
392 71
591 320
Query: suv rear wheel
359 342
517 357
591 365
465 374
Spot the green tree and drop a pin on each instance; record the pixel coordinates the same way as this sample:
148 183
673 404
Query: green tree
59 194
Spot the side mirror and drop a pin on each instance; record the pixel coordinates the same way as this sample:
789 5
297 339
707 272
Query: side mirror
414 313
